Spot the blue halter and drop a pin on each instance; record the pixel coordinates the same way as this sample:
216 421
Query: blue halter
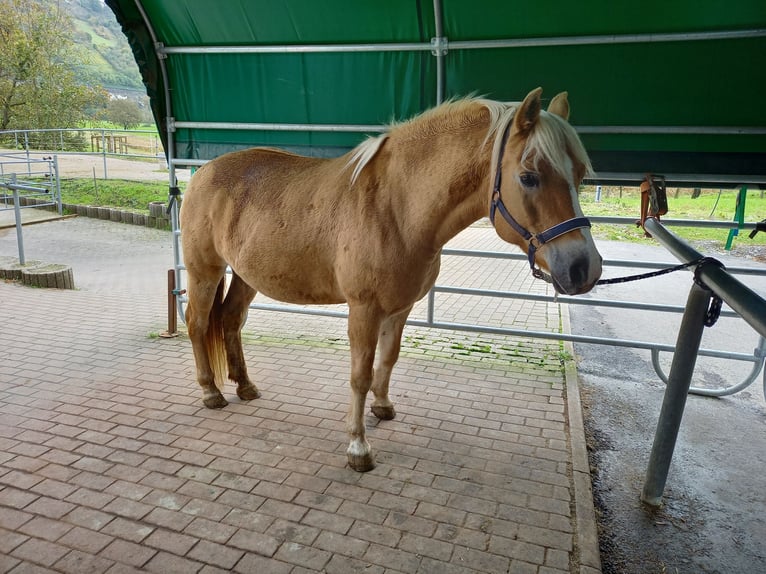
534 240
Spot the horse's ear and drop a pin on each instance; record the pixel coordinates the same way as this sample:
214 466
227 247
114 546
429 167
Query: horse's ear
527 113
560 105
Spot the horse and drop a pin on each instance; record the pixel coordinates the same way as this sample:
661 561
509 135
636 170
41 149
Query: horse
367 228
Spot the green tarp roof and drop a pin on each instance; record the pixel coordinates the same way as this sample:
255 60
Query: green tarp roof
670 87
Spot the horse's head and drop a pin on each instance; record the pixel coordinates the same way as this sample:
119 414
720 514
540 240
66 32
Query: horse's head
538 163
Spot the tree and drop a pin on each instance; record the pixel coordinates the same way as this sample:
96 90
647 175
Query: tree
124 112
38 88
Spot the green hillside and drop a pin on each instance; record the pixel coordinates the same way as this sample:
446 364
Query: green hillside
110 61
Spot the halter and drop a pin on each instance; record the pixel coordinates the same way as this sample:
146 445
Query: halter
534 240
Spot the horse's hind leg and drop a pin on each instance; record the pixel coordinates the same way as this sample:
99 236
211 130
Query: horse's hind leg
205 291
234 311
363 325
389 344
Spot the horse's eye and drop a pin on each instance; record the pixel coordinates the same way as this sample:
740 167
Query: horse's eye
529 179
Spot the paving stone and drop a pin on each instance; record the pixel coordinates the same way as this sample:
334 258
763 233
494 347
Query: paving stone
110 463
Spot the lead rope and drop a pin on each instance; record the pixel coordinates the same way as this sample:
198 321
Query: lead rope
713 312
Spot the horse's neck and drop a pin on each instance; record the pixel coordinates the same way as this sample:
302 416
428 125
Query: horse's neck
450 188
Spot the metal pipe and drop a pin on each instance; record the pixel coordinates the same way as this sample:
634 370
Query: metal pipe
739 297
169 128
705 178
674 402
705 223
611 39
663 130
299 48
758 355
471 44
566 300
606 262
55 165
439 52
673 130
279 127
103 150
526 333
19 232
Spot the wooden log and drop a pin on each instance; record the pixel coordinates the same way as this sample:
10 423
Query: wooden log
52 275
11 269
157 209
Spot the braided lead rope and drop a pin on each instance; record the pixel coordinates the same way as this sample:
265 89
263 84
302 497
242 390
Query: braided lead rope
713 312
664 271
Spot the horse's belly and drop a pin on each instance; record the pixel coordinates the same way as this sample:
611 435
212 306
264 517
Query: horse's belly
294 285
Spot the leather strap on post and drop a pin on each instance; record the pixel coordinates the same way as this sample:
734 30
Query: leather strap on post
654 199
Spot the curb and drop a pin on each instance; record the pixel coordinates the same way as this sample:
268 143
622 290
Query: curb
585 514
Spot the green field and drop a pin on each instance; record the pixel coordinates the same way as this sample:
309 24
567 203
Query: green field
712 204
129 195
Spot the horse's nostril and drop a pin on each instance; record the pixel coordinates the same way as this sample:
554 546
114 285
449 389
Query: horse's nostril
578 271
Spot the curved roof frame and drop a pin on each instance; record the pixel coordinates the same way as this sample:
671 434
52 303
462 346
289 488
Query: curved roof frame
725 166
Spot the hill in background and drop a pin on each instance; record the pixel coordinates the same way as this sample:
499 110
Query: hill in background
110 60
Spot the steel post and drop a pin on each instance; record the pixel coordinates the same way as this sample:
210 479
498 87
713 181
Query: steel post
103 151
679 381
17 213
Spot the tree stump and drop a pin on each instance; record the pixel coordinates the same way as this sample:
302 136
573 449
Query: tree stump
52 275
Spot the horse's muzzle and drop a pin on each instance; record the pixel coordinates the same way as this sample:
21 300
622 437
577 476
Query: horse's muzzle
579 277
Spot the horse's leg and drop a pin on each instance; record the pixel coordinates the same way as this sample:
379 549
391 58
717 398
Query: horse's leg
389 343
363 325
203 324
235 308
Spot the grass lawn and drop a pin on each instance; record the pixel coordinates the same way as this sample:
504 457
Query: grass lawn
129 195
712 204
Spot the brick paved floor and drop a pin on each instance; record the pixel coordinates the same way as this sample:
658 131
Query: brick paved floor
109 463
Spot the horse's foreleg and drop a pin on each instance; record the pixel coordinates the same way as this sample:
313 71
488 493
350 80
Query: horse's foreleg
363 324
235 308
389 344
203 324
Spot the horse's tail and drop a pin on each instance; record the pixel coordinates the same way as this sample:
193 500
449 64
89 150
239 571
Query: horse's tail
214 341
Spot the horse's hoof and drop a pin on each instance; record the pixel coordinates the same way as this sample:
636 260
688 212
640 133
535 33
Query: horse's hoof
215 401
248 392
383 413
361 463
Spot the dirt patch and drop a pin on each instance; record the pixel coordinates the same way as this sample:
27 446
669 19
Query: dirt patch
739 249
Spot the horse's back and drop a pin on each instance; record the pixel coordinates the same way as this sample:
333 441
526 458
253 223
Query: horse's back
266 213
257 173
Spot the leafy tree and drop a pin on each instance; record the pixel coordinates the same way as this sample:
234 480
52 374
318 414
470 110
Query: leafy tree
124 112
38 88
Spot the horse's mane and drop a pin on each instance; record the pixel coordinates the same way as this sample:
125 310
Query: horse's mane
552 134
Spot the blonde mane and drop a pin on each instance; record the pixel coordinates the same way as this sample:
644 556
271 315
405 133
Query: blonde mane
553 140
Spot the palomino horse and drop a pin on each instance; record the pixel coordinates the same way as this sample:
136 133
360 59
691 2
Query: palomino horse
367 228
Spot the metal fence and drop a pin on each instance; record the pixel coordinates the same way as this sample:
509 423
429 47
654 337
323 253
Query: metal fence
28 145
433 319
40 188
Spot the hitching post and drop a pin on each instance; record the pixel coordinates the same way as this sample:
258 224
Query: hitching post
679 381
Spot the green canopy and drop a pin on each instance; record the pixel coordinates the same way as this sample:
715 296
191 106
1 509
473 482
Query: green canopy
668 87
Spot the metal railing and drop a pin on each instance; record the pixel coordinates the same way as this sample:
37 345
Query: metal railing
757 357
27 145
711 279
